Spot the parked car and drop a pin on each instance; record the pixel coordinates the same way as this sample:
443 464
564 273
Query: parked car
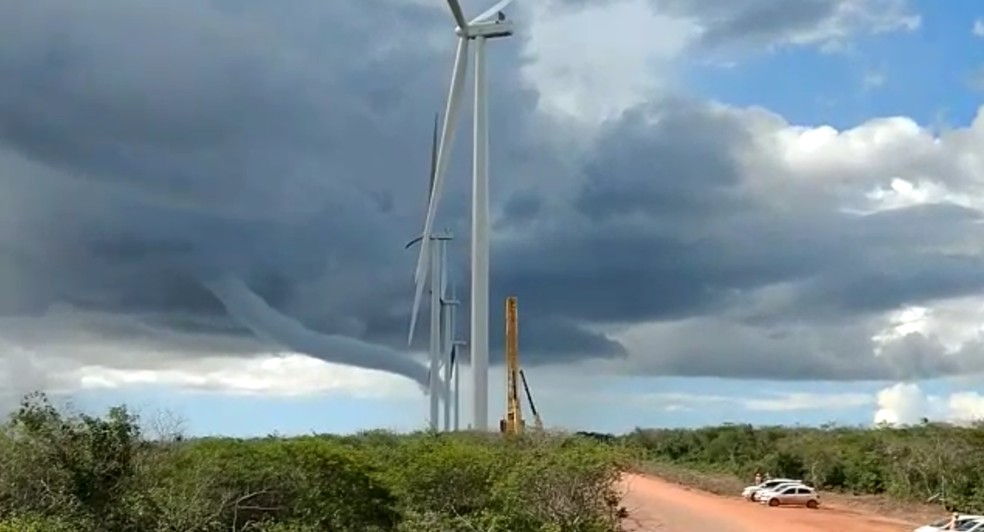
964 523
764 492
791 494
751 492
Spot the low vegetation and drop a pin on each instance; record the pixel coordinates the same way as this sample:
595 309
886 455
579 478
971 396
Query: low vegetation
66 472
930 462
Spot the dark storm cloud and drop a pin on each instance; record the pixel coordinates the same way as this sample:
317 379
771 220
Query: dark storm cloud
660 228
152 145
147 146
662 170
712 347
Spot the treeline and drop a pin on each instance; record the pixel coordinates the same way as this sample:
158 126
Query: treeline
928 462
65 472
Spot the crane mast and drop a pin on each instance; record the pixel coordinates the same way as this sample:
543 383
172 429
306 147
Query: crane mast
513 422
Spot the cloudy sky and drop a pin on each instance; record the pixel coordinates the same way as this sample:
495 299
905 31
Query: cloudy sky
753 210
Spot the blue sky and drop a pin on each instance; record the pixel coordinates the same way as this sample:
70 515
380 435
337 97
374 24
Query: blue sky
217 413
926 73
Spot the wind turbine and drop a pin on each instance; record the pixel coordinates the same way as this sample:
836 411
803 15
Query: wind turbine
491 24
440 342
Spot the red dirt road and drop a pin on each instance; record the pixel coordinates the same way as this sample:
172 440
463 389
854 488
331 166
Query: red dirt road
660 506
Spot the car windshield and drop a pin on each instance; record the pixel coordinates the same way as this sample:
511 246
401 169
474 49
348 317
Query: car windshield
962 524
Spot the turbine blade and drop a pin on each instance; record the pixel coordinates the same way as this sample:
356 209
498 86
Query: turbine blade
459 17
430 191
417 296
454 355
490 12
443 155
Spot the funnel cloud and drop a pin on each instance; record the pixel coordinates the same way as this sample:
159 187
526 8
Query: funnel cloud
250 310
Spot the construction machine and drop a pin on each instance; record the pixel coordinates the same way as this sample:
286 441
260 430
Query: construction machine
513 422
537 422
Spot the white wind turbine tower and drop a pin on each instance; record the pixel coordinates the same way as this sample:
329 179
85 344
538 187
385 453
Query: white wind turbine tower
489 25
445 360
450 350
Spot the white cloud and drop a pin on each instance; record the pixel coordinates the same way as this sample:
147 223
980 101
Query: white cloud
78 358
286 375
976 80
966 407
873 80
851 17
978 29
906 403
808 401
901 404
587 69
767 402
883 163
954 323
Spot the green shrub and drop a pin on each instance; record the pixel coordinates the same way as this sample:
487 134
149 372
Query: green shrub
99 474
41 524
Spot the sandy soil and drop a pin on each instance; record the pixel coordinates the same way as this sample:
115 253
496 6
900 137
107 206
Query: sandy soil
657 505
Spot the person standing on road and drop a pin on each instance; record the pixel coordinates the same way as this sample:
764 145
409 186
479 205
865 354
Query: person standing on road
758 478
952 525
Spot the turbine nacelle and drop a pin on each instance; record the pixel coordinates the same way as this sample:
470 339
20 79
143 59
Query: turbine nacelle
489 30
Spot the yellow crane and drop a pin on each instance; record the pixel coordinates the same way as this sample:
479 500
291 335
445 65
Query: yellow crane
513 423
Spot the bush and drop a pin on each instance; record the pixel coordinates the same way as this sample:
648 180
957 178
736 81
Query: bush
62 472
40 524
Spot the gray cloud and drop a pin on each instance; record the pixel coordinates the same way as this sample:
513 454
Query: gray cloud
764 22
146 146
832 350
742 25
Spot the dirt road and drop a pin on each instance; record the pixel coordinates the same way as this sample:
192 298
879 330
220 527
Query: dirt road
660 506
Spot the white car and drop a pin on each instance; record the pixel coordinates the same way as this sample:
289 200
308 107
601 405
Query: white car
965 523
764 492
751 492
791 494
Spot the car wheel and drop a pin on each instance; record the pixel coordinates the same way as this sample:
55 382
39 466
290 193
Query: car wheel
812 504
773 502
